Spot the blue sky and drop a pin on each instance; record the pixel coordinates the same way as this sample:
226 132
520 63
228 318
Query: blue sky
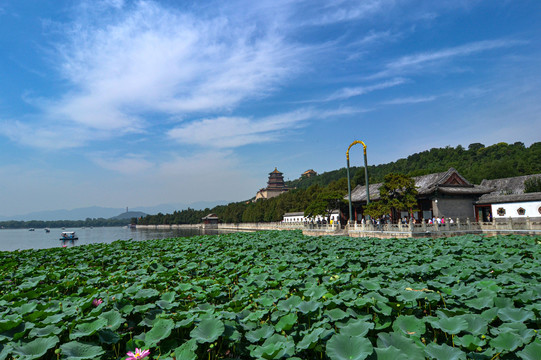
137 103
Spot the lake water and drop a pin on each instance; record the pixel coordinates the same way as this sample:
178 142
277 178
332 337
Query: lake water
21 239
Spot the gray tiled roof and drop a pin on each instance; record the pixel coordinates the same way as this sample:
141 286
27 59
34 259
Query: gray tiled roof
511 185
427 184
496 198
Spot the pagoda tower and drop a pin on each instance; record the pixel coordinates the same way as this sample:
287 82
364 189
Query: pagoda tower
275 186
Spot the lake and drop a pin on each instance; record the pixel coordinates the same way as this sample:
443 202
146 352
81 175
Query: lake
22 239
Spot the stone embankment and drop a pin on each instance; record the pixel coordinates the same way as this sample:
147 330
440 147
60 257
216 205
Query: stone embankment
511 226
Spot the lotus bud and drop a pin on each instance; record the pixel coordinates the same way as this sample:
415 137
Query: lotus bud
58 351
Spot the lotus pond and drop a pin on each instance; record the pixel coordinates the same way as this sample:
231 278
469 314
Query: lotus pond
275 295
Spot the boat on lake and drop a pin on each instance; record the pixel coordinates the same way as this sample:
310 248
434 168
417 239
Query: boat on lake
47 230
68 235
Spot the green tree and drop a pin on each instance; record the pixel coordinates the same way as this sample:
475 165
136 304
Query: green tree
397 193
328 200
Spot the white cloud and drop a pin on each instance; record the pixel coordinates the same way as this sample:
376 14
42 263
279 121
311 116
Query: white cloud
422 61
153 60
230 132
410 100
349 92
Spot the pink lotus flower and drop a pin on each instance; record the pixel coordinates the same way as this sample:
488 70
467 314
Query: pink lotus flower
97 302
139 354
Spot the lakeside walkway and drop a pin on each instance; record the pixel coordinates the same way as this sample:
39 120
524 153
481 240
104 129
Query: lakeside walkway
501 227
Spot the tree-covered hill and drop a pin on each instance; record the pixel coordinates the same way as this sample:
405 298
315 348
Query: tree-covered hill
476 163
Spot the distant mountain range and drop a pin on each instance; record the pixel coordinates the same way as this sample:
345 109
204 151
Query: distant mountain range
95 212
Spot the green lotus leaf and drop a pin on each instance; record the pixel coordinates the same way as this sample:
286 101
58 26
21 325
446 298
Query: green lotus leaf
275 347
289 304
444 352
452 325
315 292
370 285
208 330
261 333
391 353
186 351
53 319
343 347
76 350
164 304
146 293
409 325
168 296
114 319
87 329
485 299
469 342
336 314
506 342
36 348
161 329
266 301
286 322
477 325
107 336
515 315
531 351
306 307
402 343
356 327
310 339
45 331
25 308
10 322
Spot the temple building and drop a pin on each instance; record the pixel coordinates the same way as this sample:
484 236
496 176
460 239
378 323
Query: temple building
446 194
508 200
275 186
308 173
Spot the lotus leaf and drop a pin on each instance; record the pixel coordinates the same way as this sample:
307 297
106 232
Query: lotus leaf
531 351
114 319
262 333
452 325
401 343
306 307
208 330
506 342
275 347
36 348
160 330
344 347
469 342
515 315
356 327
444 352
310 340
391 353
286 322
409 325
45 331
187 350
87 329
75 350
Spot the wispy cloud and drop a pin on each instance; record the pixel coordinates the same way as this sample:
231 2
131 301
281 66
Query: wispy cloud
149 59
349 92
421 61
232 132
409 100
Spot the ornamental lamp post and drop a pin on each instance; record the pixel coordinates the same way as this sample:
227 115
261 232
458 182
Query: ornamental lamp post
365 176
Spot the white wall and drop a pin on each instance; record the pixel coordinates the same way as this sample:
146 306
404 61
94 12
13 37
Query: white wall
531 207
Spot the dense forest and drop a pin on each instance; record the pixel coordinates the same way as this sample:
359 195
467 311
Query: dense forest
41 224
476 163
